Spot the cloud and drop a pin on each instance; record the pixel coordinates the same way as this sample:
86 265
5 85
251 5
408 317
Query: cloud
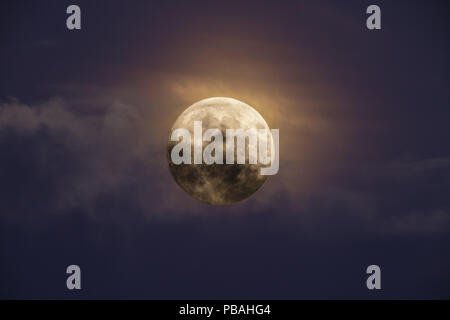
64 160
419 223
102 154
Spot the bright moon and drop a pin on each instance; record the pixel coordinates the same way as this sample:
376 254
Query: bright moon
219 184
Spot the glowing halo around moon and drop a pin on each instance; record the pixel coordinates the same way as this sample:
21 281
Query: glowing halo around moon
219 184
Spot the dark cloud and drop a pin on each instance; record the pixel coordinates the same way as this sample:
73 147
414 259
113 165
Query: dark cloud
62 159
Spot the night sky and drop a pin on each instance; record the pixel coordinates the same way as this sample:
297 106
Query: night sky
364 177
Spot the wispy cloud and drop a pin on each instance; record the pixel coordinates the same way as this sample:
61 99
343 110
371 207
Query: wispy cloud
103 155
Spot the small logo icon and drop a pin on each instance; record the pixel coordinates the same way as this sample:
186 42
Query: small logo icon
374 20
73 22
374 280
74 280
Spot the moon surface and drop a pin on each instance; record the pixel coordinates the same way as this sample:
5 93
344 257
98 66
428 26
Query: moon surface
219 184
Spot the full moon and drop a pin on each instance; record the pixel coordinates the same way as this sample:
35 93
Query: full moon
219 184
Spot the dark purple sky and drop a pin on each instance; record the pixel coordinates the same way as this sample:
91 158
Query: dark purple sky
364 162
